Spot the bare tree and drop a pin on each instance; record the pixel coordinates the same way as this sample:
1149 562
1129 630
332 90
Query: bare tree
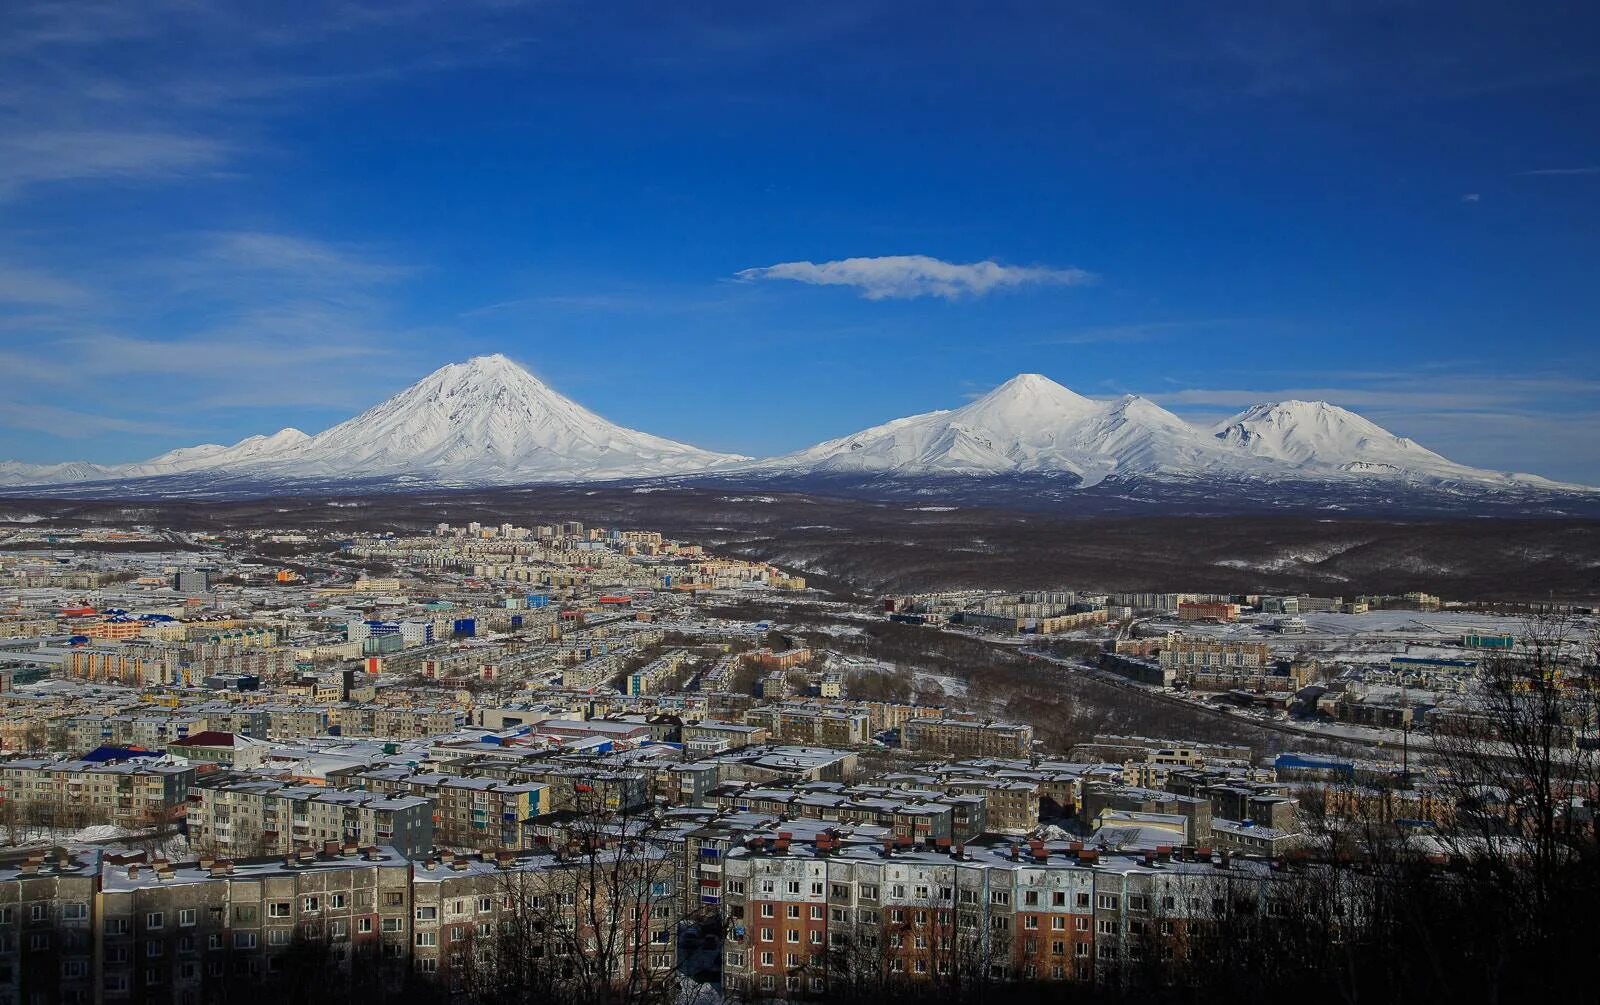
593 921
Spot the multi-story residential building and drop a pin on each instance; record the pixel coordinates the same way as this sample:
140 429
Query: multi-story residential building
260 817
228 750
967 737
1208 611
176 932
366 919
712 736
801 916
134 665
48 925
136 794
1069 622
835 727
1011 805
1187 655
480 813
398 721
915 815
653 675
766 659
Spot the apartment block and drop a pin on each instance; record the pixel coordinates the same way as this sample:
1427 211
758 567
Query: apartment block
134 794
804 914
234 818
967 737
841 727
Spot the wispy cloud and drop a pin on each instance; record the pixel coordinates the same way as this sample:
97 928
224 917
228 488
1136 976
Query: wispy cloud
900 277
70 423
199 340
115 92
34 287
301 257
1147 331
61 155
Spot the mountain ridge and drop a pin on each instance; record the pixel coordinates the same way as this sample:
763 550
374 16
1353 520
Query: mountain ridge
488 421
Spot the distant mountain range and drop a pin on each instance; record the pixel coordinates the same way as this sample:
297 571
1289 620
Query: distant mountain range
488 421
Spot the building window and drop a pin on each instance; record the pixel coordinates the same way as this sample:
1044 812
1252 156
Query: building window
278 909
187 917
155 920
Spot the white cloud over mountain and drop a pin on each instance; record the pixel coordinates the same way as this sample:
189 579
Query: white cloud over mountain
900 277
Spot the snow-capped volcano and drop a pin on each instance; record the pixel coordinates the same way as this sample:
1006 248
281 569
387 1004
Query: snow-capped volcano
1319 434
1315 436
487 421
1030 425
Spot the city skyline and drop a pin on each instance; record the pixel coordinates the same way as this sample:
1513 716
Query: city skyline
221 224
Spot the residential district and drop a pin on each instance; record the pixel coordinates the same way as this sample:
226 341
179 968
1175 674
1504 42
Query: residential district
220 748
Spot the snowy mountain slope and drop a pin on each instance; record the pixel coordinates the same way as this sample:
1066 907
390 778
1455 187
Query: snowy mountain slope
21 473
1032 426
483 422
1029 424
488 421
1318 437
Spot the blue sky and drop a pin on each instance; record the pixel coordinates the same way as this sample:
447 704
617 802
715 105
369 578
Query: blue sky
220 219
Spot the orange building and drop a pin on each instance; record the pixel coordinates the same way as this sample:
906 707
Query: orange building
1208 612
120 630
